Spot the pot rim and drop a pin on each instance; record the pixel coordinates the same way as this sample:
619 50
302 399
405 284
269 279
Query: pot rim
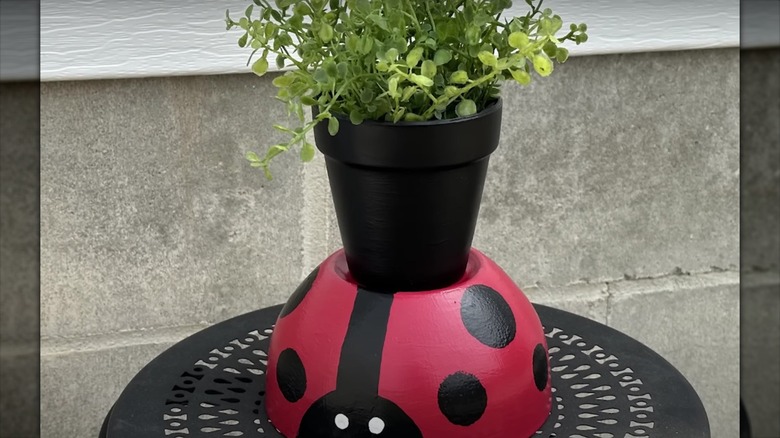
412 145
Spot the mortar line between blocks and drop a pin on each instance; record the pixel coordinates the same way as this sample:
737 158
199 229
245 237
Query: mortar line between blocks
164 335
63 345
680 283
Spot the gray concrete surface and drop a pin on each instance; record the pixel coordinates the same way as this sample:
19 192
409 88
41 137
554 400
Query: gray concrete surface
150 215
80 387
620 166
151 220
693 322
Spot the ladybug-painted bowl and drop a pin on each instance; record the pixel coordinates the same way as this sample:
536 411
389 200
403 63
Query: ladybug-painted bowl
466 361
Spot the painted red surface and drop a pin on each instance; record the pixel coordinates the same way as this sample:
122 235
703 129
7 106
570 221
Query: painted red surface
426 341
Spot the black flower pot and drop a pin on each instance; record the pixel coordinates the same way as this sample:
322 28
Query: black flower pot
407 196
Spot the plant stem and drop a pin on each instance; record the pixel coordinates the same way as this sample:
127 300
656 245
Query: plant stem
429 112
430 16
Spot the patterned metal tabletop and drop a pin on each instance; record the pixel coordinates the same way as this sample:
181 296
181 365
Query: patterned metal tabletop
605 385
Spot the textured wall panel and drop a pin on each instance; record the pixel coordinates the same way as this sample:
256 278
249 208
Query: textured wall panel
94 39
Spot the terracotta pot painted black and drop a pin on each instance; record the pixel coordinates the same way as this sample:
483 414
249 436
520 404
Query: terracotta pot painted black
407 196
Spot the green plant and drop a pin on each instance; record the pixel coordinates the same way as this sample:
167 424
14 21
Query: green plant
395 60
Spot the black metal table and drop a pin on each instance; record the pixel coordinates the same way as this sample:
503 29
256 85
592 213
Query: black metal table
605 385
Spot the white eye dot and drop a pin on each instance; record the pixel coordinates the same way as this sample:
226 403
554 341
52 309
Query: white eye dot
376 425
342 422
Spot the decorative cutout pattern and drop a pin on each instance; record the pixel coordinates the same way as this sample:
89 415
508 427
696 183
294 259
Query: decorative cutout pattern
594 395
605 397
214 397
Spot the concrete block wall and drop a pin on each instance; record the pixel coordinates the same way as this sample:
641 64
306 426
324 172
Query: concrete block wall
614 194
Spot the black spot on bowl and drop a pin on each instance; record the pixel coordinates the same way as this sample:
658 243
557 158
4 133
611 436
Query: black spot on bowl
540 367
487 316
291 375
462 398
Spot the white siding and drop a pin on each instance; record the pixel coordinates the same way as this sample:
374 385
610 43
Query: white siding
95 39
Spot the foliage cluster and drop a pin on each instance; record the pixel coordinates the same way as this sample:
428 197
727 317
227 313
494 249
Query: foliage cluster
395 60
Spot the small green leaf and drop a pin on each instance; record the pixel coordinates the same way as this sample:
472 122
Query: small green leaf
353 42
242 40
466 107
333 126
472 34
550 49
543 65
270 28
260 66
442 56
518 40
412 117
302 9
321 76
379 21
408 93
521 76
274 151
326 33
556 25
252 157
488 58
356 117
308 100
459 77
283 81
343 69
367 95
428 69
414 56
366 44
392 87
307 152
248 11
280 62
398 114
562 55
391 54
330 68
420 80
